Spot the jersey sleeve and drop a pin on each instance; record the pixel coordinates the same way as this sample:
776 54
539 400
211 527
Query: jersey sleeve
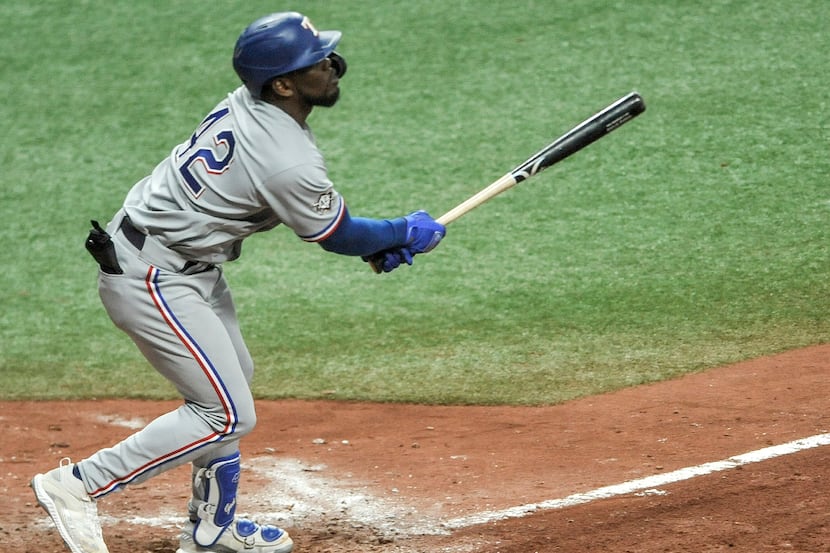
304 199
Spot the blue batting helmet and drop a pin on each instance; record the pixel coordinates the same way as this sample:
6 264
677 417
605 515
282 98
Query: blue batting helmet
280 43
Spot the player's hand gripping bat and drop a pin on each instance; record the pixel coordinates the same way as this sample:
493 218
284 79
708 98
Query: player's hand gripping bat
587 132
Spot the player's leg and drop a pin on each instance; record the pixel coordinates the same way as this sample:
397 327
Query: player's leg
171 319
216 475
213 525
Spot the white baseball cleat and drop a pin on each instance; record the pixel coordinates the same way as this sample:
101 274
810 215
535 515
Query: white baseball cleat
74 513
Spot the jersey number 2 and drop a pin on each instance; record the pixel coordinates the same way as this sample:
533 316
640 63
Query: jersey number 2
207 156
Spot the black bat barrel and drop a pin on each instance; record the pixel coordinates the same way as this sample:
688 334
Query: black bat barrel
590 130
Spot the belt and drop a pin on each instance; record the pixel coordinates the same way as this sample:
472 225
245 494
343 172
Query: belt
138 239
132 234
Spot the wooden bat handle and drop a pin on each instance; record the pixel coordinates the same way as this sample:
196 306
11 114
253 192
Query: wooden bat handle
504 183
494 189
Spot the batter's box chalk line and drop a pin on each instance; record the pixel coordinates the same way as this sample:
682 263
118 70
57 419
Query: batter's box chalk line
300 494
649 483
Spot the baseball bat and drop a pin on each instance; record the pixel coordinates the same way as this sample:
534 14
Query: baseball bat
587 132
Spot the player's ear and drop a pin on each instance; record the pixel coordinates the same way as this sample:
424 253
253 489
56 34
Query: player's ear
282 87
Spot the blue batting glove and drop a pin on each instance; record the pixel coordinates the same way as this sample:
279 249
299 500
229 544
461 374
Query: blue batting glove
393 259
389 260
423 232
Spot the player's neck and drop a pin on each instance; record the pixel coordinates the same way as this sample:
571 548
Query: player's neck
297 111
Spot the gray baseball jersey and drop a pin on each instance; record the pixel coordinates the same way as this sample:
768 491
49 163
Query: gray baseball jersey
248 167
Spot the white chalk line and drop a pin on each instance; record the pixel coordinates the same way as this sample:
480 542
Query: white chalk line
300 494
648 483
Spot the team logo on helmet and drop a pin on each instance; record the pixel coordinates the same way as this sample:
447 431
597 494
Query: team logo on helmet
306 24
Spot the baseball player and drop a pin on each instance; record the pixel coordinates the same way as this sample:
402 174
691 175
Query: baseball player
250 165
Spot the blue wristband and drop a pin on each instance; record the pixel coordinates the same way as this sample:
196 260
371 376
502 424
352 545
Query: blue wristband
363 236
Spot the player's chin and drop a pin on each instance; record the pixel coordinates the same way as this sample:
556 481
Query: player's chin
329 99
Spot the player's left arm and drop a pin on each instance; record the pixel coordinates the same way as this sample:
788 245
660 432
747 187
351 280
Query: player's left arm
363 236
305 200
395 240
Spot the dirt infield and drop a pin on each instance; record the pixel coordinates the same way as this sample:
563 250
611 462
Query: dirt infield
355 477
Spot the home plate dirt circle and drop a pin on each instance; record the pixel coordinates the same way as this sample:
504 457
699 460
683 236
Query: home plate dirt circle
731 459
